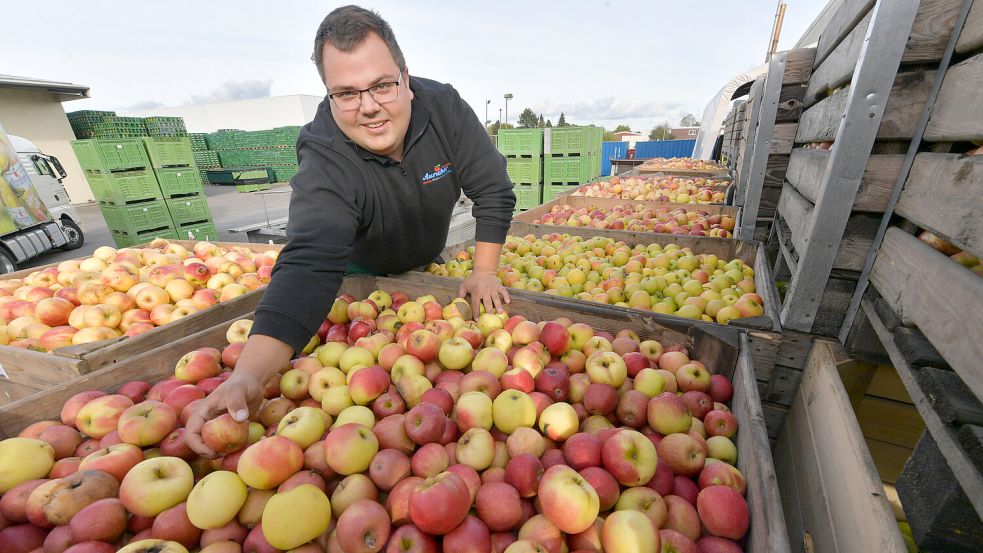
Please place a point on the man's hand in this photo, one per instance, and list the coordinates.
(240, 395)
(485, 288)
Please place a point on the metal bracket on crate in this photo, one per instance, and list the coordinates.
(916, 140)
(754, 181)
(870, 87)
(752, 128)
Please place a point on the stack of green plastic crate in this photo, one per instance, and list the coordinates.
(82, 122)
(270, 148)
(125, 185)
(165, 126)
(173, 162)
(114, 128)
(572, 157)
(523, 151)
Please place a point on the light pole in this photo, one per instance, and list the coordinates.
(486, 112)
(499, 118)
(508, 96)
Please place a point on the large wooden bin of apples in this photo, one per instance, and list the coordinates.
(131, 301)
(537, 458)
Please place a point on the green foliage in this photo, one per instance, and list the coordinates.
(528, 119)
(661, 132)
(689, 120)
(622, 128)
(562, 122)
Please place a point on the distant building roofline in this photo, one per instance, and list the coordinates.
(62, 90)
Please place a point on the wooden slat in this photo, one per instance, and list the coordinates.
(925, 289)
(821, 122)
(890, 421)
(889, 459)
(798, 66)
(790, 102)
(843, 21)
(850, 513)
(783, 138)
(971, 38)
(806, 169)
(838, 68)
(956, 115)
(944, 193)
(857, 237)
(34, 369)
(887, 384)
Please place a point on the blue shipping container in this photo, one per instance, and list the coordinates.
(609, 151)
(664, 148)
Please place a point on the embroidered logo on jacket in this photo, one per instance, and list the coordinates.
(440, 171)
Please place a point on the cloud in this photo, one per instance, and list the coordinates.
(146, 104)
(235, 90)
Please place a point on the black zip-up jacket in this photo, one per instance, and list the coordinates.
(350, 206)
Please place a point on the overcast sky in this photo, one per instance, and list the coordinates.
(603, 62)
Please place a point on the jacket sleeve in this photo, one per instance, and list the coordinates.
(323, 224)
(482, 174)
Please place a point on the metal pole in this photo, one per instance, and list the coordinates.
(755, 98)
(870, 87)
(486, 112)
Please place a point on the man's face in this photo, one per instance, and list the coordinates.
(379, 128)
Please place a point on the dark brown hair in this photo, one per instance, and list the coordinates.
(346, 27)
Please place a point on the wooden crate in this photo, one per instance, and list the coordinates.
(26, 371)
(764, 334)
(607, 204)
(832, 496)
(767, 531)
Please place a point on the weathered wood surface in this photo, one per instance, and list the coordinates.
(846, 17)
(790, 102)
(944, 193)
(806, 170)
(798, 66)
(925, 289)
(971, 38)
(905, 103)
(783, 138)
(854, 244)
(27, 369)
(956, 115)
(838, 499)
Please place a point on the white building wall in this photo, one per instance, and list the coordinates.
(248, 115)
(40, 117)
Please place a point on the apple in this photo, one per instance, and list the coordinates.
(388, 467)
(238, 331)
(424, 423)
(269, 462)
(225, 435)
(632, 408)
(498, 505)
(439, 503)
(364, 527)
(100, 416)
(216, 500)
(538, 529)
(644, 500)
(693, 377)
(630, 457)
(513, 409)
(720, 447)
(567, 500)
(682, 517)
(523, 472)
(116, 460)
(23, 459)
(677, 542)
(683, 453)
(22, 538)
(367, 383)
(391, 433)
(273, 411)
(295, 517)
(410, 539)
(64, 439)
(607, 367)
(173, 525)
(600, 399)
(53, 311)
(55, 502)
(720, 423)
(723, 511)
(146, 423)
(629, 532)
(525, 440)
(476, 449)
(198, 365)
(721, 389)
(582, 450)
(350, 448)
(722, 474)
(13, 504)
(559, 421)
(473, 410)
(667, 414)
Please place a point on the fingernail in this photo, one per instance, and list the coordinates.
(241, 415)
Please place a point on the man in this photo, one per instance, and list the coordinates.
(381, 167)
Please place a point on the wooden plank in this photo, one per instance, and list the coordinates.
(843, 21)
(791, 502)
(35, 369)
(857, 237)
(956, 115)
(783, 138)
(888, 458)
(806, 169)
(782, 386)
(949, 397)
(775, 170)
(856, 377)
(798, 66)
(859, 516)
(890, 421)
(837, 69)
(821, 122)
(906, 273)
(790, 102)
(887, 384)
(971, 37)
(12, 391)
(754, 457)
(943, 194)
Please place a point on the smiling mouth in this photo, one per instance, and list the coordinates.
(375, 125)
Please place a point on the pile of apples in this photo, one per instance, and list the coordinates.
(640, 218)
(665, 279)
(945, 247)
(680, 190)
(687, 163)
(124, 292)
(411, 428)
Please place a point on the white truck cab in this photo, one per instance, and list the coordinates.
(65, 230)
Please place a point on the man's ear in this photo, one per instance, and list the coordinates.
(407, 71)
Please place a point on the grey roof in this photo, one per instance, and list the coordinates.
(64, 91)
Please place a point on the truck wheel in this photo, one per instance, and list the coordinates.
(73, 234)
(7, 263)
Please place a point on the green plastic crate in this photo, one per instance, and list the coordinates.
(527, 195)
(111, 155)
(199, 141)
(197, 231)
(126, 239)
(285, 173)
(570, 170)
(526, 142)
(135, 218)
(553, 191)
(179, 181)
(206, 159)
(245, 188)
(123, 187)
(525, 170)
(169, 152)
(573, 140)
(189, 209)
(242, 175)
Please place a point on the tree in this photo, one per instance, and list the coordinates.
(542, 123)
(661, 132)
(496, 126)
(528, 119)
(622, 128)
(689, 120)
(562, 122)
(549, 123)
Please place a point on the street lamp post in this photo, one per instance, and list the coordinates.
(486, 112)
(508, 96)
(499, 118)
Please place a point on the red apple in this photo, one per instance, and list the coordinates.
(440, 503)
(499, 506)
(723, 511)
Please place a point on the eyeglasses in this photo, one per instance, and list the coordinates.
(382, 93)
